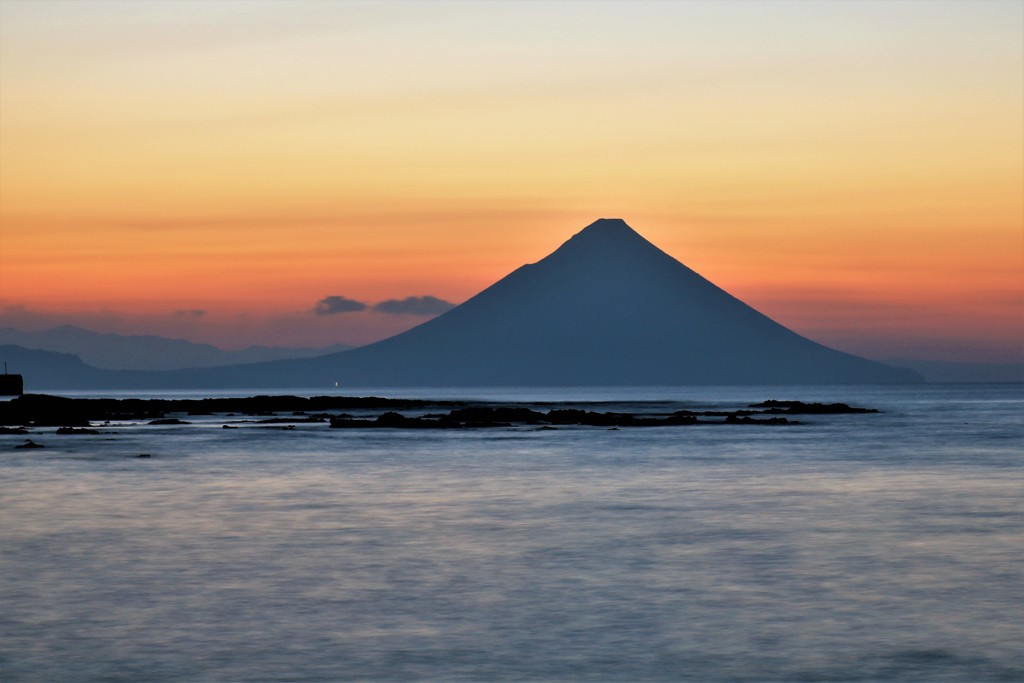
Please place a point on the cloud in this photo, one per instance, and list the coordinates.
(414, 305)
(330, 305)
(190, 313)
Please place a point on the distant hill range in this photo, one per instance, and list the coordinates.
(952, 372)
(147, 352)
(606, 308)
(52, 371)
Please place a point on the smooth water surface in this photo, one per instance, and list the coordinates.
(851, 548)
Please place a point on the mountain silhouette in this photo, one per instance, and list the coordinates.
(605, 308)
(147, 352)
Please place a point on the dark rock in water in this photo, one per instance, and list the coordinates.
(13, 430)
(57, 411)
(681, 417)
(59, 421)
(746, 420)
(393, 419)
(40, 410)
(289, 420)
(801, 408)
(31, 444)
(490, 415)
(572, 416)
(44, 411)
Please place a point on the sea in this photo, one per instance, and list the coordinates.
(881, 547)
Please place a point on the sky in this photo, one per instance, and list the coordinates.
(291, 173)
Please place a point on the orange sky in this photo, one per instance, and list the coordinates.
(853, 169)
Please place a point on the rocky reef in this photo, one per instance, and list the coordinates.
(78, 415)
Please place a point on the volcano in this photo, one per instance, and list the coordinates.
(606, 308)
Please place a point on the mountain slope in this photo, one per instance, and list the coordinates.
(606, 308)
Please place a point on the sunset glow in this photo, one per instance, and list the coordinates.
(853, 169)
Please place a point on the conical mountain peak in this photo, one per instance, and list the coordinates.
(607, 228)
(607, 225)
(606, 308)
(605, 240)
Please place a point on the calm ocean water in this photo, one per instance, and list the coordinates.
(852, 548)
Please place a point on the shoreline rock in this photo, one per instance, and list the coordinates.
(76, 415)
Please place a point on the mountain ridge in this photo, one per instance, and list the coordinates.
(112, 351)
(607, 307)
(50, 371)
